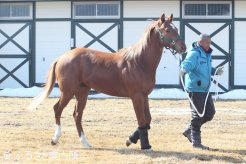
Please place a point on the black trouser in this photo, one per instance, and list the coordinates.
(198, 99)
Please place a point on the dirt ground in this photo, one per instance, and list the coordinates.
(25, 136)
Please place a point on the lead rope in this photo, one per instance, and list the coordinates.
(217, 86)
(187, 94)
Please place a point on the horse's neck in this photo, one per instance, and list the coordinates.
(152, 53)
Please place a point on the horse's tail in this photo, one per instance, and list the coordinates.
(49, 85)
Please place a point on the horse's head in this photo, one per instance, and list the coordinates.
(169, 35)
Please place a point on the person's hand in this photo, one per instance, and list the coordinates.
(220, 70)
(182, 72)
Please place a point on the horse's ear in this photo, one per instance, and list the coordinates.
(162, 18)
(171, 18)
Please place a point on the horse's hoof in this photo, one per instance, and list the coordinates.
(148, 150)
(87, 146)
(128, 142)
(85, 143)
(53, 143)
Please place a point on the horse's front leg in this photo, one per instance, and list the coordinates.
(134, 137)
(141, 132)
(146, 111)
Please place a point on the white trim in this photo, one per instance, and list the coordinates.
(96, 17)
(20, 17)
(240, 11)
(151, 9)
(53, 9)
(207, 16)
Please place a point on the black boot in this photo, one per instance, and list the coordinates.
(196, 140)
(187, 132)
(134, 137)
(144, 140)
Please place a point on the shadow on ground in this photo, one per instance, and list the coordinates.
(186, 156)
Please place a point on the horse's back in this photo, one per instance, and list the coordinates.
(91, 68)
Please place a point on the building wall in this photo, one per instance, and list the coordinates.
(53, 9)
(239, 43)
(54, 31)
(136, 9)
(134, 29)
(52, 40)
(14, 54)
(52, 37)
(48, 48)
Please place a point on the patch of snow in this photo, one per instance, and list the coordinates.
(239, 94)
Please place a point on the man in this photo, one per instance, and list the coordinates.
(198, 71)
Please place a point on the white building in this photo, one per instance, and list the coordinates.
(35, 32)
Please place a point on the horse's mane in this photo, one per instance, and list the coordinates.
(137, 48)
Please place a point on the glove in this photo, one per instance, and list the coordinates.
(181, 72)
(220, 70)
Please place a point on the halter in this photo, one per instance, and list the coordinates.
(169, 40)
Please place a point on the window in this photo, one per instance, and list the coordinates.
(96, 10)
(207, 9)
(15, 11)
(195, 9)
(219, 9)
(85, 10)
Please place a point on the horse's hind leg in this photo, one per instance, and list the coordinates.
(58, 108)
(81, 99)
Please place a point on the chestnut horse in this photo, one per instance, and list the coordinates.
(130, 72)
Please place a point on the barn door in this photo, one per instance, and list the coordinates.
(220, 33)
(15, 53)
(97, 35)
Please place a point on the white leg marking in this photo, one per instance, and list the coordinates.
(57, 134)
(84, 141)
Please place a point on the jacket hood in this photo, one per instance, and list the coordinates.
(196, 47)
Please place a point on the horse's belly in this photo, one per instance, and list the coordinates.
(111, 85)
(110, 89)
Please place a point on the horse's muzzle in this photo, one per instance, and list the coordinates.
(181, 48)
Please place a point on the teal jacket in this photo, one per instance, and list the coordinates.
(198, 68)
